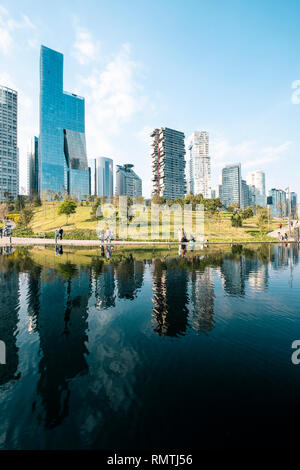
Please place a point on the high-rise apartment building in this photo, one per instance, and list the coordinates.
(168, 163)
(232, 185)
(33, 166)
(246, 195)
(294, 204)
(102, 177)
(128, 183)
(9, 153)
(63, 165)
(199, 171)
(257, 182)
(279, 206)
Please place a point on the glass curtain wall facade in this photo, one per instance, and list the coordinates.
(63, 165)
(32, 166)
(9, 154)
(105, 177)
(232, 185)
(257, 181)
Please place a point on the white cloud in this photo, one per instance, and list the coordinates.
(250, 154)
(8, 26)
(85, 49)
(113, 98)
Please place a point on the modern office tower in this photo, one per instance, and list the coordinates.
(246, 195)
(279, 204)
(63, 165)
(102, 178)
(33, 166)
(199, 176)
(9, 153)
(219, 191)
(294, 204)
(232, 185)
(213, 194)
(168, 163)
(128, 183)
(257, 181)
(93, 182)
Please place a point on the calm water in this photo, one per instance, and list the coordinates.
(149, 353)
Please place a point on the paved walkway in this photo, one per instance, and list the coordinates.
(283, 230)
(50, 241)
(18, 241)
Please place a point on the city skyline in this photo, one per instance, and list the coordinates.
(124, 103)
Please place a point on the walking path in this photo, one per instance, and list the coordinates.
(18, 241)
(284, 230)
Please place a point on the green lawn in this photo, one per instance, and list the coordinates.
(215, 229)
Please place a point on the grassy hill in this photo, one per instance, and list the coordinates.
(80, 225)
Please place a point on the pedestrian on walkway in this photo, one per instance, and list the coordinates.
(1, 232)
(60, 233)
(56, 235)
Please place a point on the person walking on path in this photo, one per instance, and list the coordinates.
(60, 233)
(56, 235)
(108, 235)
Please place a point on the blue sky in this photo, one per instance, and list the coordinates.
(225, 66)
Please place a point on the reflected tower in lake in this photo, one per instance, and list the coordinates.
(62, 326)
(202, 300)
(9, 317)
(170, 299)
(105, 287)
(130, 275)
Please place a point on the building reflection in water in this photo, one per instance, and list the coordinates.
(170, 299)
(9, 317)
(202, 300)
(105, 287)
(130, 276)
(62, 327)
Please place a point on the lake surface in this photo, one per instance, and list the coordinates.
(153, 353)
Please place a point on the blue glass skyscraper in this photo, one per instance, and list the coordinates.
(63, 165)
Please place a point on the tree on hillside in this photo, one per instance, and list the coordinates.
(36, 201)
(67, 207)
(3, 211)
(247, 213)
(262, 219)
(26, 216)
(236, 220)
(234, 207)
(156, 199)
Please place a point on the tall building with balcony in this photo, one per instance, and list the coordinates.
(9, 153)
(199, 168)
(232, 185)
(257, 182)
(63, 165)
(33, 166)
(102, 177)
(168, 163)
(128, 183)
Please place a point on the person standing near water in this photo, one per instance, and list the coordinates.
(60, 233)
